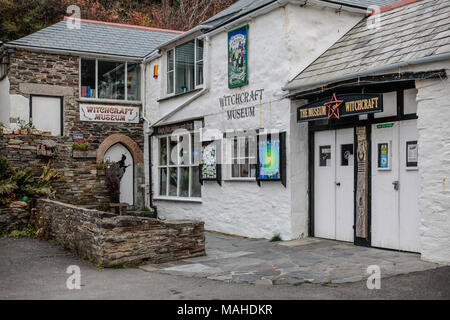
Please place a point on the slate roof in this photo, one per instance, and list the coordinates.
(242, 7)
(98, 38)
(420, 29)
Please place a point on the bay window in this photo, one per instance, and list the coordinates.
(179, 166)
(105, 79)
(185, 67)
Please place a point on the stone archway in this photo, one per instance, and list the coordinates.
(137, 153)
(138, 160)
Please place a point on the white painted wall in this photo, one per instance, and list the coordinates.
(281, 44)
(5, 103)
(434, 166)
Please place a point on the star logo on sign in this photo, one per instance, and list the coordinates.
(333, 107)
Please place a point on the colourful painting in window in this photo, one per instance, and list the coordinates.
(269, 159)
(209, 162)
(237, 57)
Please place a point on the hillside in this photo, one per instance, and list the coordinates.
(19, 18)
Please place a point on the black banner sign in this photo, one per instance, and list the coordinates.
(343, 105)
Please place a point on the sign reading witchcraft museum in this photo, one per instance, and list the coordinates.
(236, 99)
(343, 105)
(104, 113)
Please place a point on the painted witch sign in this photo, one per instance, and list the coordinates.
(237, 57)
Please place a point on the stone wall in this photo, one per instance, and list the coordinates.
(110, 240)
(14, 218)
(80, 183)
(434, 168)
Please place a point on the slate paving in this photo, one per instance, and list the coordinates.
(310, 260)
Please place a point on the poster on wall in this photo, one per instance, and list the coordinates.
(238, 57)
(383, 156)
(412, 155)
(271, 159)
(209, 168)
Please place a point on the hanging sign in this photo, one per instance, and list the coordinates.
(342, 105)
(105, 113)
(237, 57)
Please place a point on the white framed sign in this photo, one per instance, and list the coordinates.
(109, 113)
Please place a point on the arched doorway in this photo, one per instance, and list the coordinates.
(116, 153)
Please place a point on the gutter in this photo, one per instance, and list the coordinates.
(188, 33)
(404, 64)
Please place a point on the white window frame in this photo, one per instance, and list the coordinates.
(167, 166)
(199, 86)
(230, 141)
(96, 79)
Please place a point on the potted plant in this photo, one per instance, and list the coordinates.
(83, 150)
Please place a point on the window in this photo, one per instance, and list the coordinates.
(243, 157)
(105, 79)
(185, 67)
(179, 166)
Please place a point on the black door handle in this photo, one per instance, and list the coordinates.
(338, 184)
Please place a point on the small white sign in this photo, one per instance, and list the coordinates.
(105, 113)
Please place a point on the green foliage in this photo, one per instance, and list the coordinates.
(145, 209)
(15, 184)
(82, 146)
(27, 232)
(276, 238)
(103, 165)
(23, 125)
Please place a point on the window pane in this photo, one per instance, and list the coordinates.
(184, 149)
(173, 182)
(199, 73)
(199, 49)
(184, 182)
(184, 67)
(170, 82)
(195, 144)
(163, 181)
(134, 81)
(87, 78)
(244, 170)
(253, 170)
(111, 80)
(196, 186)
(170, 61)
(163, 151)
(173, 152)
(252, 149)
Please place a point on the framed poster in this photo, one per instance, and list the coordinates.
(383, 156)
(412, 155)
(209, 166)
(325, 156)
(271, 158)
(238, 57)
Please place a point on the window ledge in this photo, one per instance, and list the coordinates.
(240, 180)
(179, 199)
(109, 101)
(179, 94)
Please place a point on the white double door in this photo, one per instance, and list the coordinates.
(395, 186)
(334, 184)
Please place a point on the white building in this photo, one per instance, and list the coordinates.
(366, 173)
(284, 37)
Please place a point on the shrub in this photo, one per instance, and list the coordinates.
(82, 146)
(276, 238)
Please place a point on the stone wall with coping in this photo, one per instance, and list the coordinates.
(109, 240)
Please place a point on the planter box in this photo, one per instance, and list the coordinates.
(89, 154)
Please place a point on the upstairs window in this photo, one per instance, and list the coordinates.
(185, 67)
(104, 79)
